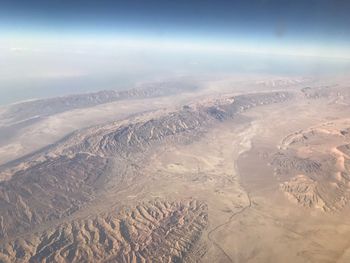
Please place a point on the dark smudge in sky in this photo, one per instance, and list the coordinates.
(320, 20)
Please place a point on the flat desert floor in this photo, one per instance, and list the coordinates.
(256, 177)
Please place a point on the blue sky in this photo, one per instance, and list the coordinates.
(309, 24)
(55, 47)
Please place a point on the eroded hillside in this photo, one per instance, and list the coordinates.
(316, 159)
(55, 192)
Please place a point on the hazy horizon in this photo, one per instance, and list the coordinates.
(229, 143)
(62, 47)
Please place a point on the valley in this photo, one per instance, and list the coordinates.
(212, 179)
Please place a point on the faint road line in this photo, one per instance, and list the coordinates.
(211, 232)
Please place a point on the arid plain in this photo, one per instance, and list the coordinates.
(228, 170)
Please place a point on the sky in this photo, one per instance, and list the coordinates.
(260, 24)
(97, 43)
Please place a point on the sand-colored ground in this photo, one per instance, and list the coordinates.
(269, 184)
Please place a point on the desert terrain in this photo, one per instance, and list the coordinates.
(218, 171)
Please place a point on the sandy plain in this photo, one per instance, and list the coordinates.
(231, 168)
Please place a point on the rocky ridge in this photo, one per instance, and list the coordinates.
(53, 184)
(27, 110)
(153, 232)
(320, 178)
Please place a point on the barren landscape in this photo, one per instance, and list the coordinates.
(221, 171)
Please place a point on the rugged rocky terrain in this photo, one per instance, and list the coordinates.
(54, 191)
(152, 232)
(334, 93)
(315, 164)
(33, 109)
(205, 180)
